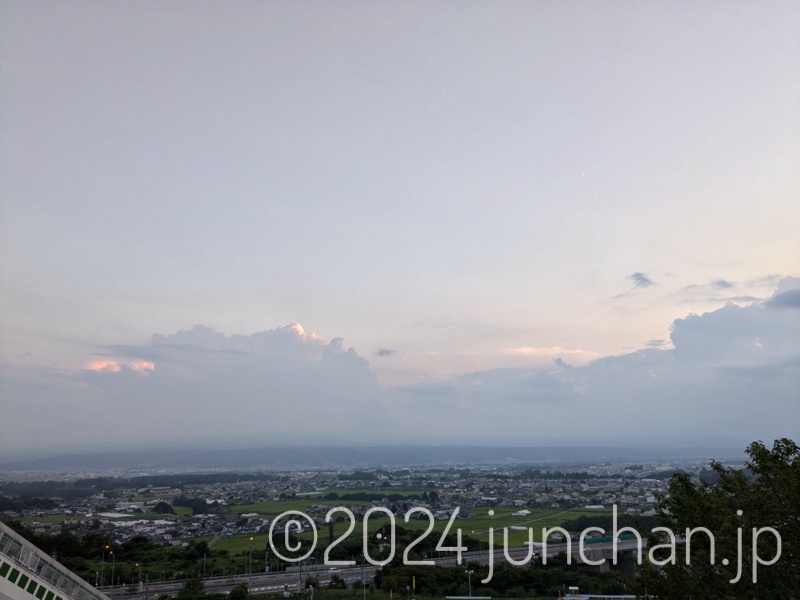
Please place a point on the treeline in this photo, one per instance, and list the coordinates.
(538, 474)
(667, 474)
(82, 488)
(378, 496)
(85, 555)
(507, 581)
(583, 475)
(198, 505)
(358, 476)
(66, 490)
(642, 524)
(23, 503)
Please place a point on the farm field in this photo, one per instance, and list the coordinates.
(476, 525)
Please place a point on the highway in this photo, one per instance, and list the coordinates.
(294, 576)
(257, 582)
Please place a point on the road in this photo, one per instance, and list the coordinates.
(294, 576)
(257, 582)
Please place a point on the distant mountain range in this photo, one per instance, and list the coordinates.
(287, 457)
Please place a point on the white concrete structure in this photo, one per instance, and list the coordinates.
(28, 573)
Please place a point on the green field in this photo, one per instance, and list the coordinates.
(477, 525)
(53, 519)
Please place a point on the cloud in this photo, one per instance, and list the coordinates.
(110, 365)
(768, 281)
(202, 386)
(722, 290)
(576, 354)
(289, 340)
(640, 280)
(731, 376)
(384, 352)
(787, 295)
(790, 299)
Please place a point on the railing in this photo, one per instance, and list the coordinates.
(62, 582)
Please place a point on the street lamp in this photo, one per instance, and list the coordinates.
(250, 563)
(103, 565)
(113, 565)
(138, 566)
(480, 545)
(469, 573)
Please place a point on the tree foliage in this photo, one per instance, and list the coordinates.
(736, 506)
(163, 508)
(239, 592)
(530, 582)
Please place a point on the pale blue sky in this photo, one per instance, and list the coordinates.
(468, 185)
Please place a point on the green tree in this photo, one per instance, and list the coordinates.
(739, 503)
(163, 508)
(239, 592)
(192, 589)
(337, 583)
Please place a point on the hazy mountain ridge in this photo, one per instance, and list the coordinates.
(364, 456)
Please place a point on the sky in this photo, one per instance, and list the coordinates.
(529, 223)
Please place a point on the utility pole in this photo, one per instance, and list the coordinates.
(363, 581)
